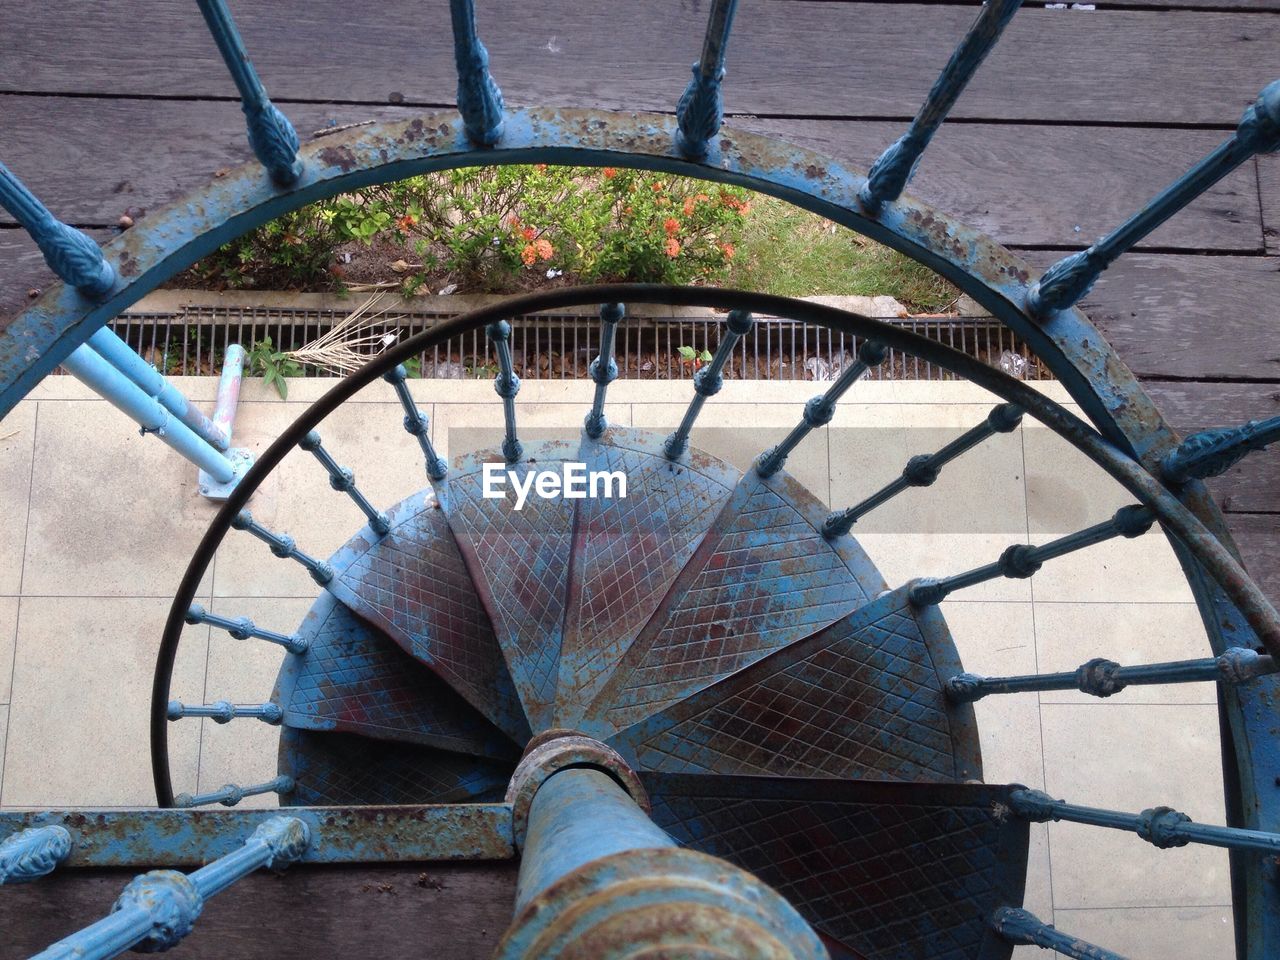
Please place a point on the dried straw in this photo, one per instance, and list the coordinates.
(351, 342)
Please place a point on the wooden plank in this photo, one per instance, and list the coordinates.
(1258, 537)
(445, 911)
(1269, 187)
(22, 269)
(1253, 485)
(805, 58)
(1043, 186)
(1246, 5)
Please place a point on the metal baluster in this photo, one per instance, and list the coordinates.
(506, 384)
(415, 422)
(1019, 927)
(479, 99)
(923, 470)
(1022, 560)
(223, 711)
(819, 410)
(700, 111)
(1064, 283)
(344, 481)
(708, 381)
(1159, 826)
(70, 253)
(242, 628)
(284, 546)
(271, 135)
(231, 794)
(1212, 453)
(889, 174)
(87, 366)
(33, 853)
(603, 369)
(125, 359)
(1102, 678)
(158, 909)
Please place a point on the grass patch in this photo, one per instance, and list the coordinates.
(790, 252)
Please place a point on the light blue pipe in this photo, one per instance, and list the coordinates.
(99, 375)
(125, 359)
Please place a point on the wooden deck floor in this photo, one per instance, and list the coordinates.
(1077, 118)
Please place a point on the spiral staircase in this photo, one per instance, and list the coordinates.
(696, 715)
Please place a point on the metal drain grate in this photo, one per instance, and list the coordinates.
(191, 340)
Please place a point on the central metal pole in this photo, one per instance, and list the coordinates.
(599, 879)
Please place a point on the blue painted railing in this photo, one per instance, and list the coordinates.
(157, 910)
(700, 111)
(242, 628)
(479, 99)
(1103, 678)
(32, 853)
(1023, 560)
(344, 481)
(1021, 928)
(604, 369)
(415, 423)
(506, 384)
(284, 546)
(708, 381)
(231, 794)
(1160, 826)
(923, 470)
(224, 711)
(819, 410)
(1212, 453)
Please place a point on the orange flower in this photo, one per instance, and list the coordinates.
(540, 167)
(744, 207)
(610, 173)
(688, 206)
(513, 221)
(671, 225)
(628, 209)
(544, 249)
(672, 247)
(529, 254)
(729, 250)
(658, 186)
(407, 221)
(701, 198)
(528, 233)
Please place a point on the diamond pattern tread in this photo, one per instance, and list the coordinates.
(862, 698)
(520, 561)
(763, 577)
(343, 769)
(628, 551)
(889, 871)
(413, 585)
(354, 679)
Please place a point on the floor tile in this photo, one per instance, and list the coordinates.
(1065, 489)
(82, 692)
(1070, 634)
(1128, 758)
(17, 446)
(1165, 933)
(905, 556)
(1119, 570)
(463, 428)
(8, 637)
(244, 671)
(4, 739)
(114, 514)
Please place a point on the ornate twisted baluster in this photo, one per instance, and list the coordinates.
(271, 135)
(604, 369)
(231, 794)
(1017, 926)
(415, 423)
(1022, 560)
(32, 853)
(242, 628)
(700, 111)
(819, 410)
(1212, 453)
(344, 481)
(1102, 678)
(158, 909)
(923, 470)
(283, 546)
(1160, 826)
(479, 99)
(889, 174)
(708, 381)
(224, 711)
(506, 384)
(71, 254)
(1064, 283)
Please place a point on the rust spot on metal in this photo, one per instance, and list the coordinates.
(341, 157)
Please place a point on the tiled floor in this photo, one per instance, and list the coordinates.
(99, 525)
